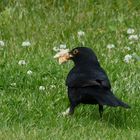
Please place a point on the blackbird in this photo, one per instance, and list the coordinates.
(88, 83)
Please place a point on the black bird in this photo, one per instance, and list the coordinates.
(88, 83)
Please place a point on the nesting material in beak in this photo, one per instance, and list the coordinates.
(63, 56)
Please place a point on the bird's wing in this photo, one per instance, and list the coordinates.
(88, 78)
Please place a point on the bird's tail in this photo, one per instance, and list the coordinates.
(110, 100)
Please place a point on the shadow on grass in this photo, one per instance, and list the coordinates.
(112, 117)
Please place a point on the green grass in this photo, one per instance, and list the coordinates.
(27, 113)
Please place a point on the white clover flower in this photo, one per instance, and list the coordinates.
(2, 43)
(80, 33)
(26, 44)
(29, 72)
(22, 62)
(13, 84)
(127, 58)
(62, 46)
(127, 48)
(41, 88)
(133, 37)
(130, 31)
(110, 46)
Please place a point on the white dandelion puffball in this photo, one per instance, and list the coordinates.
(29, 72)
(2, 43)
(80, 33)
(130, 31)
(127, 58)
(133, 37)
(26, 44)
(41, 88)
(22, 62)
(62, 46)
(110, 46)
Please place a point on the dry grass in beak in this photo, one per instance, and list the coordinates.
(63, 56)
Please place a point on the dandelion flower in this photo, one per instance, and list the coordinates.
(110, 46)
(80, 33)
(22, 62)
(41, 88)
(133, 37)
(2, 43)
(26, 44)
(127, 58)
(130, 31)
(29, 72)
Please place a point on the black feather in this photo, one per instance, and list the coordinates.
(88, 83)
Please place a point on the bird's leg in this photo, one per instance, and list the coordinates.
(71, 109)
(101, 110)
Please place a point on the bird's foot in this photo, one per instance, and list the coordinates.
(66, 113)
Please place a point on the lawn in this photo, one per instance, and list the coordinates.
(33, 94)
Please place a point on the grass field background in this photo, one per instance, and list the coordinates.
(27, 113)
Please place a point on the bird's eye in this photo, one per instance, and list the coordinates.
(75, 51)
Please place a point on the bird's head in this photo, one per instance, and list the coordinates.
(79, 55)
